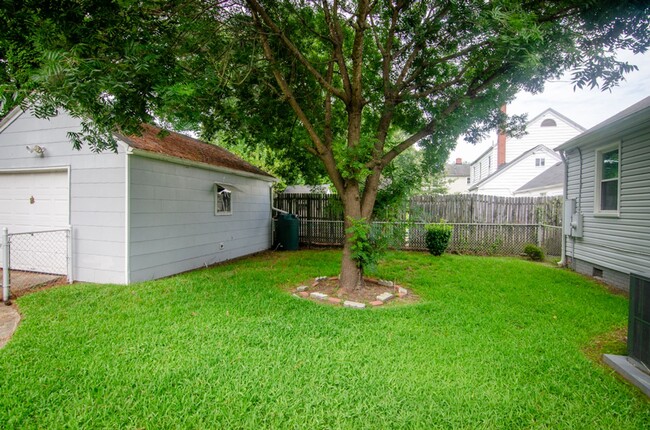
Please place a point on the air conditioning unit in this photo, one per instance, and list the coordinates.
(638, 337)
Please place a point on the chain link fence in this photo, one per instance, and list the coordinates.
(467, 238)
(33, 259)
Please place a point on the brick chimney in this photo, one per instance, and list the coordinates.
(459, 161)
(501, 144)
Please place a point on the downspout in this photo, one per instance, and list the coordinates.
(565, 193)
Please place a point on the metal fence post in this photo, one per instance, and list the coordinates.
(540, 234)
(69, 255)
(5, 265)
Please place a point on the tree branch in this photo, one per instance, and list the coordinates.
(261, 13)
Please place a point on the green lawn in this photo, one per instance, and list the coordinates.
(494, 343)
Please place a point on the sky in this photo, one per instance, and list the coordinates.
(586, 107)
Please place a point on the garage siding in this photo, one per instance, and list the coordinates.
(96, 191)
(173, 224)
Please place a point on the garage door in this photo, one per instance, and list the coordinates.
(32, 201)
(35, 201)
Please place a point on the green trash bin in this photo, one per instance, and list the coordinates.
(286, 229)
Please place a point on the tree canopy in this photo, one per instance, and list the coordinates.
(348, 84)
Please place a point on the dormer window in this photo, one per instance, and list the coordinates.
(548, 122)
(540, 162)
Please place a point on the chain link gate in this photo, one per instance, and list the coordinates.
(32, 259)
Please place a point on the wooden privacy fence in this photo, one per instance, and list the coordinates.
(482, 239)
(454, 208)
(486, 225)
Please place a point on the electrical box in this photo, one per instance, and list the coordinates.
(572, 221)
(576, 224)
(569, 210)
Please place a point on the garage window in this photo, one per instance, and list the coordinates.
(222, 200)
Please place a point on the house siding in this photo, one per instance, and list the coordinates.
(614, 244)
(538, 135)
(506, 183)
(96, 190)
(484, 166)
(173, 227)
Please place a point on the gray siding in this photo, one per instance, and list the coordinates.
(620, 244)
(173, 227)
(97, 191)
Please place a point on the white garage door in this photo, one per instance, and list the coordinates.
(31, 201)
(36, 201)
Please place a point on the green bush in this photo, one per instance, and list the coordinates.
(534, 252)
(437, 237)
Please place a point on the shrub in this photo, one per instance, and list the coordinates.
(437, 237)
(534, 252)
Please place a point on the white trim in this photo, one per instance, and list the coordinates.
(597, 180)
(127, 220)
(10, 118)
(184, 162)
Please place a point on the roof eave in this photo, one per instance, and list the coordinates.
(200, 165)
(608, 130)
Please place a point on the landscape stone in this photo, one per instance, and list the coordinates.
(384, 297)
(377, 303)
(334, 300)
(355, 305)
(303, 294)
(319, 296)
(402, 291)
(321, 278)
(385, 283)
(302, 288)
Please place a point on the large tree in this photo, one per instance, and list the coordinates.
(350, 84)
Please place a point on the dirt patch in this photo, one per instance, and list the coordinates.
(369, 294)
(613, 342)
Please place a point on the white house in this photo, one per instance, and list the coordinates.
(607, 208)
(548, 183)
(155, 207)
(457, 177)
(513, 162)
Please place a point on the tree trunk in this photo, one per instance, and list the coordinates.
(351, 274)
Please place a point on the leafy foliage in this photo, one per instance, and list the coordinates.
(534, 252)
(437, 237)
(366, 250)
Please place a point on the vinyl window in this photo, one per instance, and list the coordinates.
(608, 174)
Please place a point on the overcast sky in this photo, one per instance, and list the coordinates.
(586, 107)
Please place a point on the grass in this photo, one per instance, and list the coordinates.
(493, 343)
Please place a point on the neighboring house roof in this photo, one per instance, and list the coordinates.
(181, 146)
(507, 166)
(559, 115)
(637, 113)
(551, 177)
(307, 189)
(457, 170)
(486, 152)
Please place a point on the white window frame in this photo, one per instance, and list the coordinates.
(217, 194)
(598, 159)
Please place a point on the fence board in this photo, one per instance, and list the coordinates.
(488, 225)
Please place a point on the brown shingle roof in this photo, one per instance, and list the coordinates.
(187, 148)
